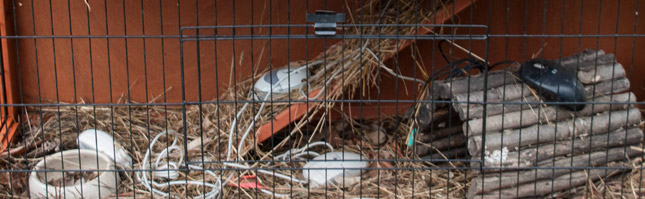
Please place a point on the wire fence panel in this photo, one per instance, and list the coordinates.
(321, 99)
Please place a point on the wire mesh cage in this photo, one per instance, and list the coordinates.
(321, 99)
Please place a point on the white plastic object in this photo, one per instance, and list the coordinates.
(105, 183)
(104, 143)
(328, 167)
(168, 170)
(280, 81)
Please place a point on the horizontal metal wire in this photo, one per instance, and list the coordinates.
(297, 101)
(314, 169)
(338, 36)
(313, 36)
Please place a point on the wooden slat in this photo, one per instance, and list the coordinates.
(9, 91)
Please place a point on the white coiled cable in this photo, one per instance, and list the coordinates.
(168, 170)
(165, 169)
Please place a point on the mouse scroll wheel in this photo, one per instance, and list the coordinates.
(538, 65)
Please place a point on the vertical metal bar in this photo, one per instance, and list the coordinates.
(433, 72)
(217, 102)
(613, 73)
(163, 83)
(127, 69)
(631, 77)
(524, 55)
(594, 86)
(289, 127)
(504, 86)
(253, 75)
(543, 43)
(622, 187)
(308, 76)
(199, 105)
(396, 86)
(453, 33)
(271, 95)
(109, 65)
(560, 58)
(89, 32)
(75, 101)
(19, 69)
(342, 63)
(577, 70)
(40, 100)
(482, 166)
(145, 76)
(183, 88)
(362, 91)
(58, 112)
(235, 100)
(378, 91)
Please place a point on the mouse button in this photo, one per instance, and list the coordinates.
(539, 66)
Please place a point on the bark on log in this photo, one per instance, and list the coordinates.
(443, 89)
(587, 60)
(586, 54)
(452, 153)
(450, 142)
(476, 110)
(580, 127)
(602, 73)
(497, 94)
(590, 64)
(527, 157)
(494, 181)
(439, 133)
(528, 117)
(607, 87)
(427, 117)
(559, 183)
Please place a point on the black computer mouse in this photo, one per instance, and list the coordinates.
(553, 82)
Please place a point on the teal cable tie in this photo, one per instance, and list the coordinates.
(411, 139)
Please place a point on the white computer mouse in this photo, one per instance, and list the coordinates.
(334, 167)
(280, 82)
(105, 144)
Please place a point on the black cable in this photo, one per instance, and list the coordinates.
(453, 70)
(441, 51)
(503, 62)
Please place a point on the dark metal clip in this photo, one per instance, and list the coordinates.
(325, 21)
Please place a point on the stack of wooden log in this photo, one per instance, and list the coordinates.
(522, 134)
(441, 135)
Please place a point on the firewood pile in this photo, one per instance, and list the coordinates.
(523, 134)
(441, 135)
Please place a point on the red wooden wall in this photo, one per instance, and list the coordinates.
(50, 71)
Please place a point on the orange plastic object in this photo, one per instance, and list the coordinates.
(248, 182)
(8, 132)
(9, 114)
(296, 111)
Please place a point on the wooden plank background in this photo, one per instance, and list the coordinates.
(50, 72)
